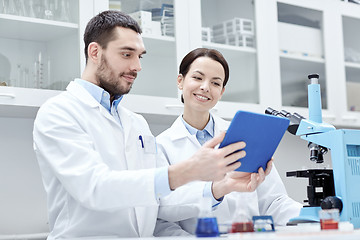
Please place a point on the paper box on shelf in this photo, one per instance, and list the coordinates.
(236, 40)
(300, 40)
(115, 5)
(233, 26)
(154, 28)
(206, 34)
(143, 18)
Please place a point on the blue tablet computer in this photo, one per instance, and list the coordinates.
(262, 134)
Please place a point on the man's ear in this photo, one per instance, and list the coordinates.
(180, 80)
(94, 52)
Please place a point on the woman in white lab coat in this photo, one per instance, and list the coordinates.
(202, 78)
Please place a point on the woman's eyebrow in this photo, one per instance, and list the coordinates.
(202, 74)
(218, 78)
(197, 71)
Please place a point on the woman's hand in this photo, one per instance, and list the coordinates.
(240, 181)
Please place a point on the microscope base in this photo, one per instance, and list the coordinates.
(307, 215)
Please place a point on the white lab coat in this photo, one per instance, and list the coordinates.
(98, 178)
(270, 198)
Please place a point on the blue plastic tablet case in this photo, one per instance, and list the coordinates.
(262, 134)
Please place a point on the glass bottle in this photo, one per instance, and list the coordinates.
(49, 9)
(9, 7)
(242, 220)
(64, 11)
(207, 224)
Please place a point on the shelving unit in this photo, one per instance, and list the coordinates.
(259, 75)
(351, 38)
(33, 55)
(302, 58)
(34, 29)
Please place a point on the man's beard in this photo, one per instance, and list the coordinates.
(111, 83)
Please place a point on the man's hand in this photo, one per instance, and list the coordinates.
(240, 181)
(208, 163)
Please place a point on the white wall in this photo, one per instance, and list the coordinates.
(22, 198)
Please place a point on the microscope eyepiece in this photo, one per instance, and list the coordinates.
(295, 118)
(314, 75)
(271, 111)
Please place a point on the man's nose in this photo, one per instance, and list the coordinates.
(136, 65)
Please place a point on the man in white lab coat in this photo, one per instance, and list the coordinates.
(98, 160)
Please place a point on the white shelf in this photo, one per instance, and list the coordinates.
(352, 65)
(15, 101)
(228, 47)
(302, 58)
(34, 29)
(352, 72)
(156, 37)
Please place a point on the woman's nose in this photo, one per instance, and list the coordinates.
(204, 86)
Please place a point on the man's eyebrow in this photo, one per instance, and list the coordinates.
(131, 49)
(127, 48)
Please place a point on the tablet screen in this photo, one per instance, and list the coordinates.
(262, 134)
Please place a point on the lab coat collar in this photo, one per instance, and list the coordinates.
(179, 131)
(82, 94)
(86, 98)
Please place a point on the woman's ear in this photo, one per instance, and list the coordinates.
(180, 80)
(222, 92)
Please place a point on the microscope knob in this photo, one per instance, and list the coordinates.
(332, 202)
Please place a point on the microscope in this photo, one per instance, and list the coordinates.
(336, 188)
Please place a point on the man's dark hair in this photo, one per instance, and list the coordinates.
(100, 28)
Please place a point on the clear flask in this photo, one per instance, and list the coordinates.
(9, 7)
(207, 224)
(63, 10)
(49, 9)
(242, 221)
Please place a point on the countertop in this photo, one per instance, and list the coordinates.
(306, 232)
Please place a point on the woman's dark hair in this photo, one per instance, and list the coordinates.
(100, 28)
(203, 52)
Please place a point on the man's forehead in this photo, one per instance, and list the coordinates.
(128, 39)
